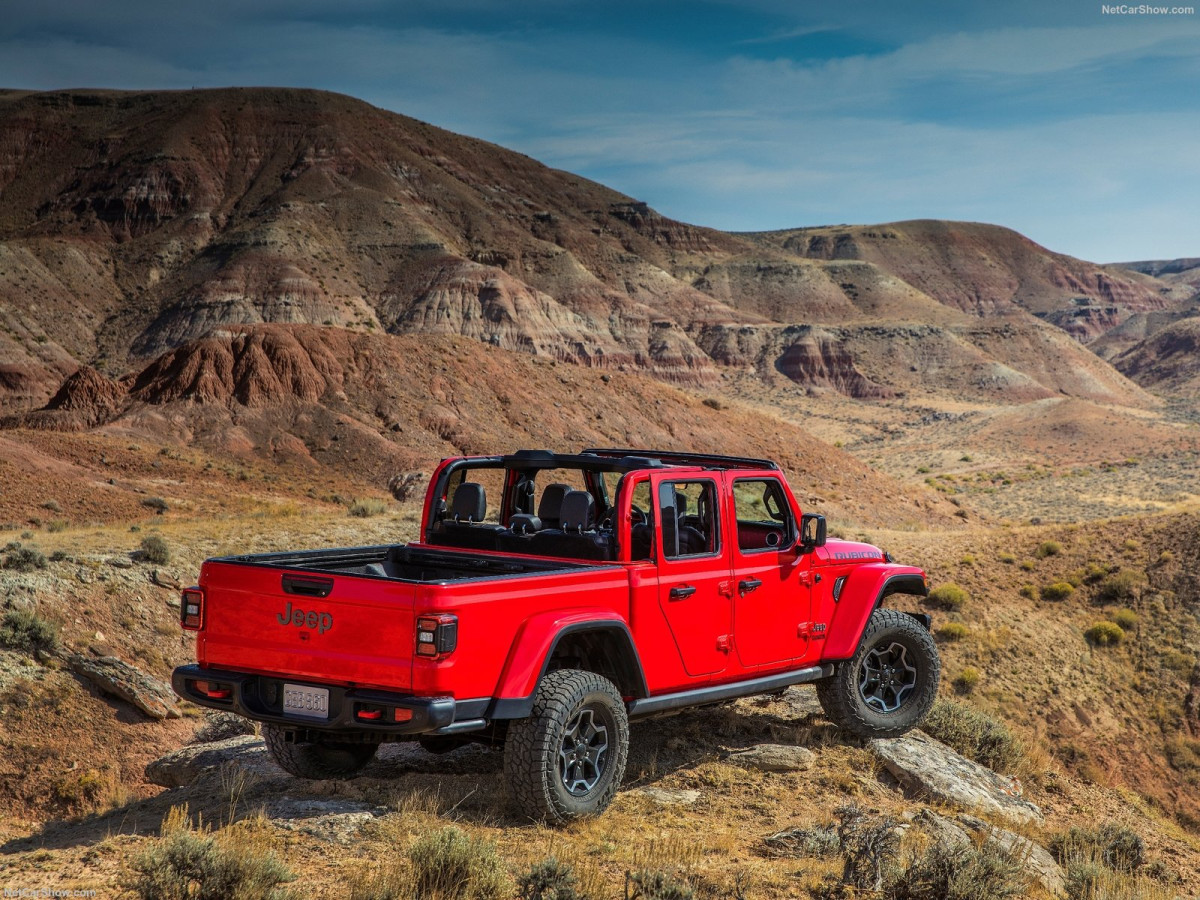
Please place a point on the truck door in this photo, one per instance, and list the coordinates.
(772, 590)
(693, 570)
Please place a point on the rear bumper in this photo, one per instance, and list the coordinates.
(260, 697)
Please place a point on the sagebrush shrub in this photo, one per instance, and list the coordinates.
(974, 734)
(948, 596)
(23, 629)
(1104, 634)
(450, 865)
(156, 549)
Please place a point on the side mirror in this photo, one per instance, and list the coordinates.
(812, 533)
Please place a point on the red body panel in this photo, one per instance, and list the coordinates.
(369, 641)
(752, 612)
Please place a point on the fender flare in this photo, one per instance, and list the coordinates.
(853, 620)
(538, 639)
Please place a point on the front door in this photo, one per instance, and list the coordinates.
(693, 571)
(771, 591)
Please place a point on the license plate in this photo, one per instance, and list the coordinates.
(310, 702)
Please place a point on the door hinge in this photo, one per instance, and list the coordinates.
(805, 578)
(725, 642)
(725, 588)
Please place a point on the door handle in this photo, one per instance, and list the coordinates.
(747, 585)
(684, 590)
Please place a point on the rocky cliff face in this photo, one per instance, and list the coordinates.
(134, 223)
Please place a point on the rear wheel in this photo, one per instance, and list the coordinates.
(889, 685)
(316, 759)
(566, 760)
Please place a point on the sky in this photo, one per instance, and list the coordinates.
(1074, 126)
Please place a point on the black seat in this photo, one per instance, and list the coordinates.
(469, 504)
(550, 506)
(577, 538)
(463, 526)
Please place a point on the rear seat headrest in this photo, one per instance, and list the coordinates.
(523, 523)
(470, 503)
(578, 511)
(550, 506)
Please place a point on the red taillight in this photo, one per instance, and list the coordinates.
(191, 609)
(436, 635)
(214, 691)
(403, 715)
(370, 713)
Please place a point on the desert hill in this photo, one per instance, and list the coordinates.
(327, 403)
(132, 223)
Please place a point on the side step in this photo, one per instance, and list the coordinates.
(718, 693)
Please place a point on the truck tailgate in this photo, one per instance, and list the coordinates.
(314, 626)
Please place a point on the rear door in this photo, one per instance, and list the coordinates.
(693, 570)
(771, 600)
(307, 625)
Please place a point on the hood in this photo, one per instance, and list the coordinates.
(835, 552)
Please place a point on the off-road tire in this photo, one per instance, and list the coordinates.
(316, 760)
(536, 747)
(847, 696)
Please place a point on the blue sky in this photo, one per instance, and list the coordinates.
(1077, 128)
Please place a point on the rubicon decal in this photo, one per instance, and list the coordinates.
(857, 554)
(294, 615)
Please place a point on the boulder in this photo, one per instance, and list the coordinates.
(337, 821)
(113, 676)
(774, 758)
(929, 768)
(969, 830)
(1037, 859)
(189, 764)
(671, 796)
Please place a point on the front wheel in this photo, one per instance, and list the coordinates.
(566, 760)
(316, 760)
(889, 685)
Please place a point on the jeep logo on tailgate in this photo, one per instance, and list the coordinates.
(321, 621)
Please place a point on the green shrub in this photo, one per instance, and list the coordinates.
(1028, 565)
(948, 596)
(960, 873)
(974, 734)
(158, 504)
(1007, 558)
(1126, 619)
(156, 549)
(450, 865)
(1028, 590)
(656, 885)
(548, 880)
(1121, 587)
(1048, 548)
(967, 560)
(364, 509)
(1058, 590)
(1117, 847)
(952, 632)
(1093, 572)
(967, 679)
(24, 559)
(52, 505)
(186, 865)
(56, 526)
(25, 630)
(1102, 634)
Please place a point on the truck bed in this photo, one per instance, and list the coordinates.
(402, 562)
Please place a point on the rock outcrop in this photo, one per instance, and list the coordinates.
(116, 677)
(929, 768)
(191, 763)
(774, 758)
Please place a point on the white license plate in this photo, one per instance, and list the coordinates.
(310, 702)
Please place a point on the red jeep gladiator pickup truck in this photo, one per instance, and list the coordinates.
(550, 600)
